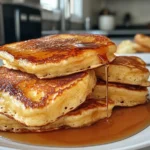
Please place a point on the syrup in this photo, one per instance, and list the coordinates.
(123, 123)
(106, 76)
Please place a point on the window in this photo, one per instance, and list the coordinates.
(74, 10)
(49, 4)
(76, 7)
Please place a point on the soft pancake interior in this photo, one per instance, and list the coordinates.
(36, 102)
(58, 55)
(86, 114)
(121, 94)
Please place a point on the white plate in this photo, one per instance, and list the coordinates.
(138, 141)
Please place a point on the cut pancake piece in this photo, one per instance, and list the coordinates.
(121, 94)
(58, 55)
(36, 102)
(86, 114)
(126, 69)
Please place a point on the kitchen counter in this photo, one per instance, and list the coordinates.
(117, 32)
(116, 40)
(114, 33)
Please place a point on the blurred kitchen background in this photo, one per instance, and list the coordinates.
(117, 19)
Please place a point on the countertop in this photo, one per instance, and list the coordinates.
(113, 33)
(120, 32)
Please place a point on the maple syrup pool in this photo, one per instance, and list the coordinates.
(123, 123)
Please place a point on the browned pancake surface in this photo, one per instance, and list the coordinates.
(53, 49)
(18, 84)
(86, 114)
(126, 70)
(131, 61)
(90, 104)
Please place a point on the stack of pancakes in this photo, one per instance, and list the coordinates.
(127, 81)
(47, 83)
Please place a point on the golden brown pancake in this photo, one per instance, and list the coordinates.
(142, 40)
(58, 55)
(126, 47)
(127, 70)
(121, 94)
(140, 48)
(86, 114)
(36, 102)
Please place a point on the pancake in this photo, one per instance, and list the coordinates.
(58, 55)
(86, 114)
(36, 102)
(121, 94)
(142, 40)
(140, 48)
(127, 70)
(126, 47)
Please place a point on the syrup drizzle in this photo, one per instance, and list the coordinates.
(105, 61)
(106, 76)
